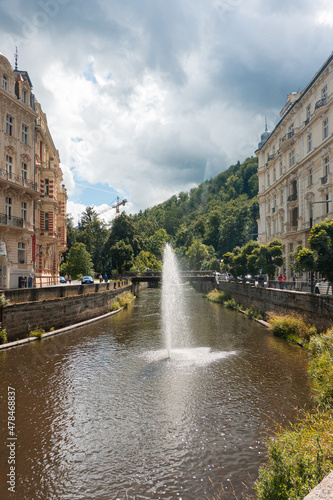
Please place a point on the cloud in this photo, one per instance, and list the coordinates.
(151, 98)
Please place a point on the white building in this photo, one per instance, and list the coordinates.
(294, 167)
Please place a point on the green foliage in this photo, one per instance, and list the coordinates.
(198, 254)
(122, 256)
(3, 300)
(254, 313)
(298, 459)
(115, 305)
(320, 255)
(92, 232)
(270, 257)
(321, 367)
(78, 262)
(37, 332)
(217, 296)
(146, 260)
(231, 304)
(3, 335)
(291, 327)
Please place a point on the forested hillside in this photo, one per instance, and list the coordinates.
(202, 225)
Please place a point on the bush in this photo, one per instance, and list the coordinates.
(320, 369)
(219, 297)
(115, 305)
(37, 332)
(231, 304)
(3, 301)
(254, 313)
(3, 335)
(298, 459)
(291, 328)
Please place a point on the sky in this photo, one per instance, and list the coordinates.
(148, 98)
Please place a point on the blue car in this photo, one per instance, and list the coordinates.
(63, 280)
(87, 279)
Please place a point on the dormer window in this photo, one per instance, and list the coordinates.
(24, 96)
(4, 82)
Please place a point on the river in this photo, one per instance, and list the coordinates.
(101, 413)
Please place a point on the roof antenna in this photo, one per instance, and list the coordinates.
(16, 57)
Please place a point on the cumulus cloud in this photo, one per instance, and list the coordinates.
(151, 98)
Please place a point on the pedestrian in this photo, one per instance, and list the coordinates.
(66, 277)
(70, 279)
(30, 281)
(261, 280)
(280, 278)
(100, 278)
(294, 281)
(105, 278)
(23, 282)
(284, 279)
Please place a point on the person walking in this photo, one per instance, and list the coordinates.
(70, 279)
(30, 281)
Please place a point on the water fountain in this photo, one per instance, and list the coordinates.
(173, 305)
(176, 323)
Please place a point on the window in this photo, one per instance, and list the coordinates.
(46, 221)
(309, 142)
(21, 252)
(291, 247)
(308, 111)
(274, 174)
(24, 210)
(9, 166)
(281, 169)
(291, 130)
(24, 134)
(326, 165)
(281, 197)
(4, 82)
(9, 207)
(324, 92)
(292, 158)
(24, 171)
(327, 205)
(325, 128)
(310, 176)
(47, 187)
(9, 125)
(24, 96)
(268, 179)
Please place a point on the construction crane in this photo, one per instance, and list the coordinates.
(114, 205)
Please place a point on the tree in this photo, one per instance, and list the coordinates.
(197, 254)
(122, 256)
(78, 262)
(270, 257)
(146, 260)
(319, 257)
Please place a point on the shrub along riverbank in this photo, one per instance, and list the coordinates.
(301, 456)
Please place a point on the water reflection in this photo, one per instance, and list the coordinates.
(102, 411)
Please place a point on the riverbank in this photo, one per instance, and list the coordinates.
(55, 308)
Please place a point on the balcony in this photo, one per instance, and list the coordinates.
(270, 157)
(10, 220)
(292, 197)
(324, 179)
(287, 136)
(307, 120)
(18, 179)
(321, 102)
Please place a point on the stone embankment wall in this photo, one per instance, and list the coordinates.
(319, 308)
(57, 307)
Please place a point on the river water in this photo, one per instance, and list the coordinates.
(101, 413)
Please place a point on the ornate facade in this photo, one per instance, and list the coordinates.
(295, 166)
(28, 158)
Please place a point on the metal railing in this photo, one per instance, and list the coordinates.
(18, 179)
(10, 220)
(321, 102)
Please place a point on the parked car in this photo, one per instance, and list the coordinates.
(87, 279)
(323, 287)
(63, 280)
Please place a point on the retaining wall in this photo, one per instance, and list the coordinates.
(48, 309)
(317, 307)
